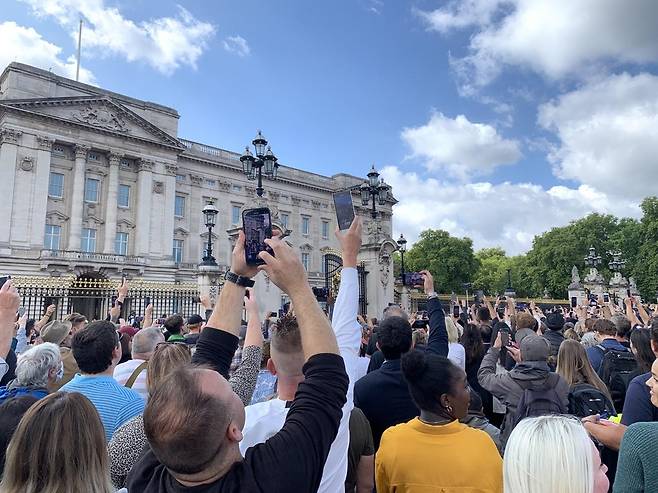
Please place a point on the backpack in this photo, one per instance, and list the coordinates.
(586, 400)
(539, 400)
(616, 370)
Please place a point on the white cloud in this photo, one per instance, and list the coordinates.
(556, 38)
(507, 215)
(462, 147)
(608, 134)
(25, 45)
(237, 45)
(165, 43)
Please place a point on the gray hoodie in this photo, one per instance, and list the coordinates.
(504, 386)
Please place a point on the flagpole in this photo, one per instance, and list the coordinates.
(77, 70)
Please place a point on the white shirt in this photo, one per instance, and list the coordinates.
(123, 371)
(457, 354)
(266, 418)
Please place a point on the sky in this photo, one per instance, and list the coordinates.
(492, 119)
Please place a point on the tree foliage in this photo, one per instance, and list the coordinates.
(451, 260)
(547, 265)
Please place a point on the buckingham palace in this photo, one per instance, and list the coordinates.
(96, 186)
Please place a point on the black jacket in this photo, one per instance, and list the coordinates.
(383, 395)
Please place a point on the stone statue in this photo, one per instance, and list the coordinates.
(575, 277)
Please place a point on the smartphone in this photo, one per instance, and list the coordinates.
(257, 227)
(574, 302)
(344, 209)
(3, 280)
(414, 279)
(147, 301)
(628, 292)
(504, 337)
(21, 311)
(455, 311)
(606, 298)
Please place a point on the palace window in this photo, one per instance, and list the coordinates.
(88, 240)
(91, 190)
(53, 235)
(178, 251)
(123, 198)
(121, 244)
(56, 185)
(179, 206)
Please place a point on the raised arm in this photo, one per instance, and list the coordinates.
(148, 316)
(9, 303)
(287, 272)
(243, 380)
(46, 317)
(345, 323)
(487, 376)
(437, 342)
(21, 335)
(219, 338)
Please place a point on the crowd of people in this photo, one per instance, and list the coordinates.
(492, 396)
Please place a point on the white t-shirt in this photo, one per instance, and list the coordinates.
(265, 419)
(123, 371)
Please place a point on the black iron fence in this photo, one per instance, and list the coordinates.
(94, 297)
(333, 264)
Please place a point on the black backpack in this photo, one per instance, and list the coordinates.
(616, 370)
(539, 400)
(586, 400)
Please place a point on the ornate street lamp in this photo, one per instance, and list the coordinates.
(210, 219)
(617, 263)
(374, 189)
(509, 290)
(593, 260)
(402, 247)
(264, 162)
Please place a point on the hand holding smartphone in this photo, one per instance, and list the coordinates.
(344, 209)
(257, 227)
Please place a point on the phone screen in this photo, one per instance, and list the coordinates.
(257, 227)
(147, 301)
(414, 279)
(344, 209)
(606, 298)
(504, 336)
(3, 280)
(455, 311)
(574, 302)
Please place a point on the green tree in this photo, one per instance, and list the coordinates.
(644, 266)
(491, 275)
(451, 260)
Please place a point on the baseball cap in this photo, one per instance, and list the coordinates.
(195, 320)
(128, 329)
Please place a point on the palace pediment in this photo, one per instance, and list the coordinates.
(100, 114)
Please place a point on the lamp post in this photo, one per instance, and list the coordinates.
(593, 260)
(509, 290)
(374, 189)
(402, 247)
(209, 218)
(264, 161)
(617, 263)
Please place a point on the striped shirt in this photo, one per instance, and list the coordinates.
(125, 370)
(114, 403)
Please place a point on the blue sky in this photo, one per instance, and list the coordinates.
(496, 119)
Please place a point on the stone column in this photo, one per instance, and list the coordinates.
(8, 152)
(170, 196)
(77, 197)
(196, 230)
(112, 204)
(405, 300)
(143, 227)
(378, 260)
(209, 279)
(40, 198)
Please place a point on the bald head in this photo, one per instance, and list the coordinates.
(395, 311)
(145, 341)
(177, 417)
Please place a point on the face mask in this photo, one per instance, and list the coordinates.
(60, 372)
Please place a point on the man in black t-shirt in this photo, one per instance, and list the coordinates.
(193, 420)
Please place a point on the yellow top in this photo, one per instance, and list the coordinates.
(415, 457)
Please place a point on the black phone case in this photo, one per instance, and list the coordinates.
(268, 234)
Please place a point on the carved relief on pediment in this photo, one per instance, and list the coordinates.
(101, 117)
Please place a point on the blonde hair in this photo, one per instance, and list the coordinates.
(549, 454)
(573, 365)
(59, 447)
(453, 331)
(166, 358)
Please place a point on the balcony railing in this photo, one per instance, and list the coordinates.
(92, 257)
(206, 149)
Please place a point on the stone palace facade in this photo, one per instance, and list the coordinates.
(98, 185)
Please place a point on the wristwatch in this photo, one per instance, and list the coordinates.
(243, 281)
(431, 295)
